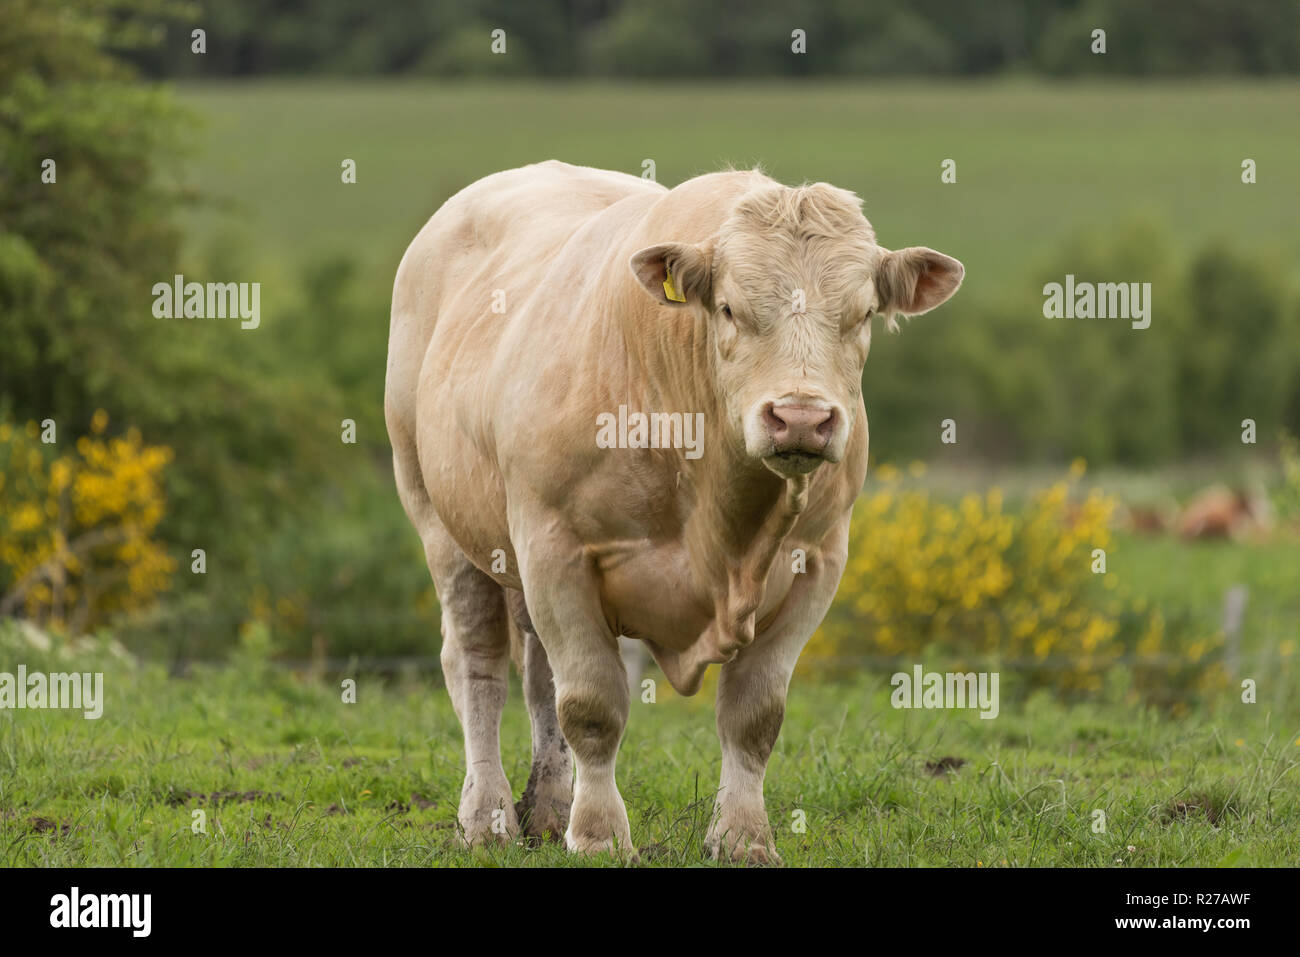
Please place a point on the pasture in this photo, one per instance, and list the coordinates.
(1035, 162)
(287, 774)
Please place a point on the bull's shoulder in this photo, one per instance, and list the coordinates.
(550, 187)
(525, 214)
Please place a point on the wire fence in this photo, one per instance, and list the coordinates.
(1258, 641)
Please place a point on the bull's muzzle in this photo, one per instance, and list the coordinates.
(799, 429)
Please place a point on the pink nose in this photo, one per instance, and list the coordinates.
(798, 428)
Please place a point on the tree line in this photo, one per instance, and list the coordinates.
(730, 38)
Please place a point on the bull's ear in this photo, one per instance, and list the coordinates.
(674, 273)
(916, 279)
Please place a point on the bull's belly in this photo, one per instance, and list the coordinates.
(649, 598)
(651, 595)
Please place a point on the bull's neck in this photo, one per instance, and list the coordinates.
(736, 511)
(737, 547)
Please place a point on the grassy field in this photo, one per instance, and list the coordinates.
(1035, 161)
(287, 774)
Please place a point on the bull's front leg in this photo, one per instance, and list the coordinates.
(751, 707)
(591, 692)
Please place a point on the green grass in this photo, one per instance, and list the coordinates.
(287, 774)
(1035, 161)
(1197, 575)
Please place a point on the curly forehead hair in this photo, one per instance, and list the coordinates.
(804, 213)
(816, 231)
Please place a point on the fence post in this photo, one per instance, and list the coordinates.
(1234, 612)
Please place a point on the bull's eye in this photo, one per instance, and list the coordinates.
(726, 311)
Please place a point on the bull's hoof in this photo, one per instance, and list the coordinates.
(746, 843)
(755, 854)
(473, 833)
(601, 833)
(598, 825)
(543, 821)
(486, 815)
(592, 846)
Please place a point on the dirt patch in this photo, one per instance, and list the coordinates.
(423, 825)
(43, 825)
(353, 762)
(417, 801)
(178, 798)
(1213, 808)
(944, 765)
(655, 852)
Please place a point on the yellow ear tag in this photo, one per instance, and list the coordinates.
(670, 290)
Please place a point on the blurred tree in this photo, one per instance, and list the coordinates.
(663, 38)
(1223, 345)
(660, 41)
(1174, 37)
(1242, 354)
(89, 166)
(84, 216)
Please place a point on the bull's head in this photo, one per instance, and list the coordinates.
(788, 287)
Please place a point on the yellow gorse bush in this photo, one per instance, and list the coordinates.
(76, 529)
(974, 580)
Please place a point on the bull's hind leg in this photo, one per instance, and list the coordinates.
(475, 665)
(475, 653)
(543, 809)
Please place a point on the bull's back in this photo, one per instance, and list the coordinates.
(494, 236)
(488, 246)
